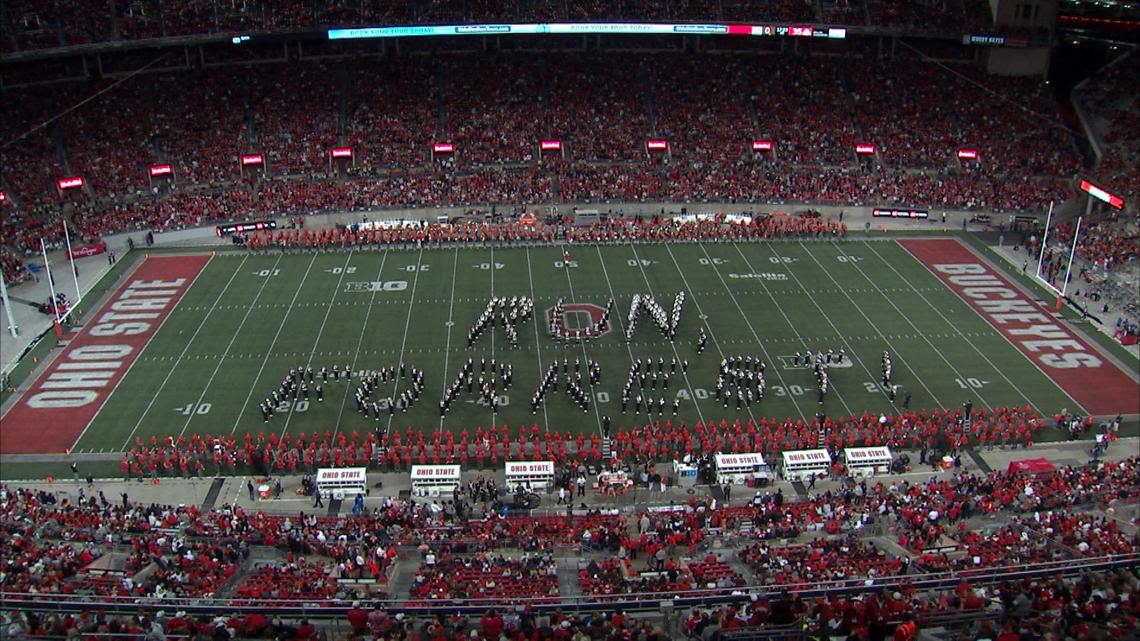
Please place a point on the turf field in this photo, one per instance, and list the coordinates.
(248, 318)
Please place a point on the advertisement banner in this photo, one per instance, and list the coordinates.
(90, 249)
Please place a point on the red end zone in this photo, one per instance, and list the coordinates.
(1081, 371)
(66, 397)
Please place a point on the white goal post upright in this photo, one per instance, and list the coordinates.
(1072, 254)
(1044, 242)
(74, 270)
(13, 329)
(51, 286)
(59, 318)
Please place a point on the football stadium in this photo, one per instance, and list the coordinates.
(353, 320)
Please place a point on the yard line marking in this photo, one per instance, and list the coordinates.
(672, 344)
(360, 340)
(450, 325)
(997, 369)
(897, 354)
(257, 378)
(609, 284)
(705, 322)
(795, 330)
(174, 367)
(852, 353)
(767, 356)
(317, 340)
(404, 342)
(907, 318)
(537, 339)
(494, 406)
(585, 354)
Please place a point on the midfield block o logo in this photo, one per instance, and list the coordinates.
(580, 317)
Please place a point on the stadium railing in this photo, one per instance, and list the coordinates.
(633, 603)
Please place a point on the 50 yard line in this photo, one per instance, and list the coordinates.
(450, 326)
(585, 354)
(494, 406)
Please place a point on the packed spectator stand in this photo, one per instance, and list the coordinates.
(495, 110)
(466, 551)
(495, 117)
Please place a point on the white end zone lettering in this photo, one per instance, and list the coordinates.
(977, 283)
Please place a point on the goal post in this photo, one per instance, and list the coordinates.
(59, 315)
(1047, 273)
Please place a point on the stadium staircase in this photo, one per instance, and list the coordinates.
(568, 583)
(400, 582)
(440, 104)
(56, 133)
(342, 108)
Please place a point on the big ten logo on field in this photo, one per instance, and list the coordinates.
(578, 321)
(359, 287)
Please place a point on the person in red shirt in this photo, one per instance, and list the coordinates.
(906, 631)
(357, 618)
(492, 625)
(306, 630)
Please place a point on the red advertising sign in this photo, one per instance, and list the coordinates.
(70, 183)
(161, 170)
(761, 145)
(968, 154)
(341, 152)
(1100, 194)
(91, 249)
(443, 147)
(864, 149)
(550, 145)
(252, 159)
(657, 144)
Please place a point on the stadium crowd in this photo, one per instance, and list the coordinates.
(813, 123)
(465, 547)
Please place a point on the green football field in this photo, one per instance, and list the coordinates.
(249, 318)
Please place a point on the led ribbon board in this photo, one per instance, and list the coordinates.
(589, 28)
